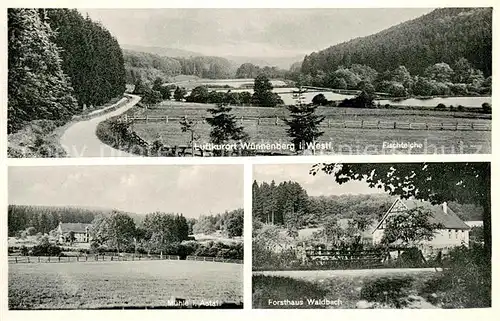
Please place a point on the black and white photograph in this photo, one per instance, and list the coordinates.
(198, 82)
(371, 236)
(125, 237)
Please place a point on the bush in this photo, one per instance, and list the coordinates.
(441, 106)
(486, 108)
(46, 250)
(265, 288)
(464, 283)
(320, 99)
(392, 291)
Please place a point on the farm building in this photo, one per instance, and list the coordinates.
(453, 233)
(80, 231)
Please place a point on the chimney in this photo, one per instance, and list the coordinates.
(445, 208)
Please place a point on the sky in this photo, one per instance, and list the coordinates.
(190, 190)
(248, 32)
(319, 185)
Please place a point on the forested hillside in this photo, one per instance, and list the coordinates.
(288, 204)
(149, 66)
(444, 35)
(57, 62)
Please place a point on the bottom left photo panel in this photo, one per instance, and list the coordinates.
(125, 237)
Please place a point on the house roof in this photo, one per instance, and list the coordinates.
(75, 227)
(448, 220)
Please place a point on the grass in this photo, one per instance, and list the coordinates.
(346, 288)
(42, 138)
(121, 284)
(344, 140)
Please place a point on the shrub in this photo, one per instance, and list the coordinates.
(486, 108)
(392, 291)
(320, 99)
(24, 250)
(441, 106)
(265, 288)
(465, 283)
(46, 250)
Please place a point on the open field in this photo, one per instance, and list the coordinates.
(344, 140)
(121, 284)
(343, 289)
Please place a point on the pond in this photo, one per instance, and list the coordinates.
(286, 93)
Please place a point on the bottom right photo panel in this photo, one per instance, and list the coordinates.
(371, 235)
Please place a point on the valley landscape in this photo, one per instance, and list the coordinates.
(357, 95)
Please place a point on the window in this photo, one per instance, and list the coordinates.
(449, 234)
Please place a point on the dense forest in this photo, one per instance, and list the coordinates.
(46, 218)
(59, 61)
(289, 205)
(444, 35)
(149, 66)
(248, 70)
(91, 56)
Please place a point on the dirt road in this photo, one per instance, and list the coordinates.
(80, 139)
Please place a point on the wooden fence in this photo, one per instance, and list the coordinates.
(213, 259)
(88, 258)
(345, 257)
(113, 258)
(331, 123)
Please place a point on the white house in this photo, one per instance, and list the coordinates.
(454, 231)
(81, 232)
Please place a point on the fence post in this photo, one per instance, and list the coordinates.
(362, 122)
(472, 126)
(276, 121)
(16, 259)
(258, 120)
(442, 126)
(166, 119)
(426, 126)
(328, 122)
(395, 125)
(146, 119)
(49, 259)
(38, 259)
(59, 258)
(456, 126)
(409, 125)
(378, 124)
(28, 259)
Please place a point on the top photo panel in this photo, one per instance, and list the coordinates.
(248, 82)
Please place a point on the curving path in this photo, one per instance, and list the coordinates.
(80, 139)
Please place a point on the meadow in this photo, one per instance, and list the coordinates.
(344, 140)
(138, 284)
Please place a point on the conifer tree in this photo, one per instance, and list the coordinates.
(37, 85)
(224, 125)
(303, 123)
